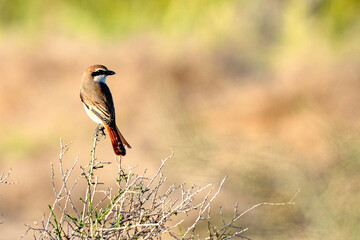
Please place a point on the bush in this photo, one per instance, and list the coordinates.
(138, 208)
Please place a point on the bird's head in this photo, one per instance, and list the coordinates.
(98, 73)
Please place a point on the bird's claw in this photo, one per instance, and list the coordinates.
(100, 131)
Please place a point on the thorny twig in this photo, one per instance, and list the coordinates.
(4, 176)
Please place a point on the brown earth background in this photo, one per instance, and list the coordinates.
(266, 92)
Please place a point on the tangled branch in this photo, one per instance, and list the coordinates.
(138, 207)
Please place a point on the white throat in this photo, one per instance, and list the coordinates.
(100, 78)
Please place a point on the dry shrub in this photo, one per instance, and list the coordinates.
(138, 208)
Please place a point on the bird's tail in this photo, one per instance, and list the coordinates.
(117, 140)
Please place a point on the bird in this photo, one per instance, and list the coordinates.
(99, 104)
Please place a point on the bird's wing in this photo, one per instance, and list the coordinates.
(101, 104)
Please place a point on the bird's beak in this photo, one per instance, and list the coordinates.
(109, 72)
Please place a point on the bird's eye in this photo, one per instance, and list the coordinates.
(97, 72)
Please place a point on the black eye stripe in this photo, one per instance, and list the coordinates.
(98, 72)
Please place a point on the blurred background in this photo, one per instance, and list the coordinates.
(266, 92)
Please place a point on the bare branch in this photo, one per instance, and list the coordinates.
(4, 176)
(137, 208)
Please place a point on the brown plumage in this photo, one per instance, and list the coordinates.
(99, 105)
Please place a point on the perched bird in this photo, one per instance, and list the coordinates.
(99, 105)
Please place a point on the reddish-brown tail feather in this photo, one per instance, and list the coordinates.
(116, 140)
(123, 139)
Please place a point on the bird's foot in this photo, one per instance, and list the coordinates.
(100, 131)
